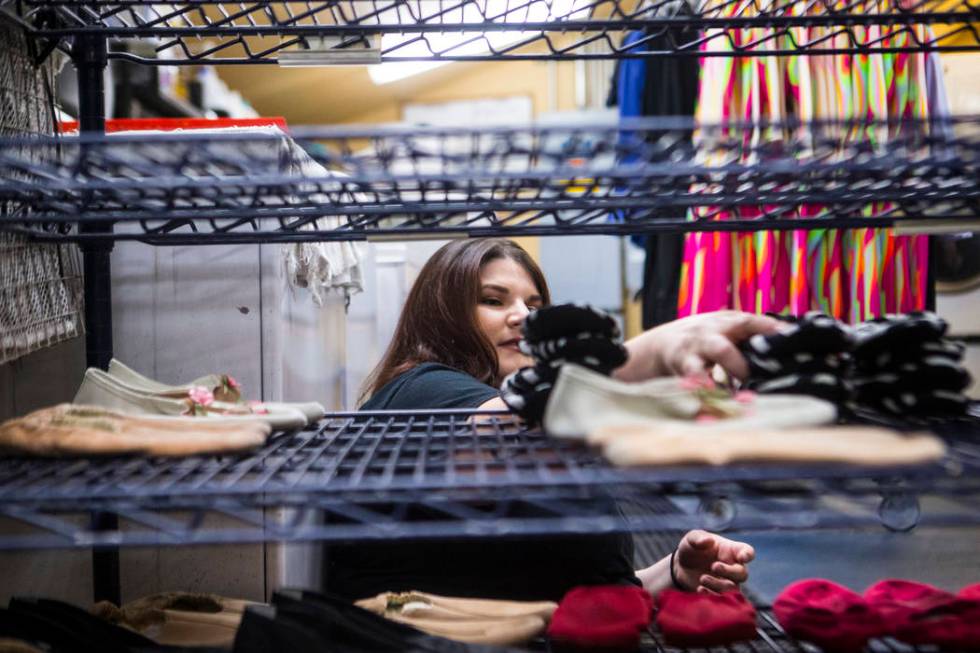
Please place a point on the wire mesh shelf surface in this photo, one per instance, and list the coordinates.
(369, 476)
(350, 184)
(371, 31)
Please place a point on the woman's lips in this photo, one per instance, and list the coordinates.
(510, 344)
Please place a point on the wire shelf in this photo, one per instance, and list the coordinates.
(372, 31)
(437, 474)
(641, 175)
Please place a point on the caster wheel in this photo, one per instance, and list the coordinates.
(899, 512)
(717, 513)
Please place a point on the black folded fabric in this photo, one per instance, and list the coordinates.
(814, 333)
(525, 399)
(762, 367)
(922, 377)
(599, 353)
(896, 332)
(265, 629)
(942, 348)
(86, 629)
(934, 403)
(822, 386)
(562, 320)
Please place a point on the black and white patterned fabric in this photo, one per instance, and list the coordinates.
(814, 333)
(898, 365)
(553, 336)
(564, 320)
(595, 352)
(823, 386)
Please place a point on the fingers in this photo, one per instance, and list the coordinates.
(716, 348)
(734, 573)
(745, 554)
(699, 539)
(746, 325)
(715, 584)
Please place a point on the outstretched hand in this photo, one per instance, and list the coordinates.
(710, 563)
(691, 345)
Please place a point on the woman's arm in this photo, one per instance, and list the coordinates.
(691, 345)
(703, 562)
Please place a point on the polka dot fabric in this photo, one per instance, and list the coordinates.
(553, 336)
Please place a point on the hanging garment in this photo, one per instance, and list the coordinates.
(854, 275)
(670, 89)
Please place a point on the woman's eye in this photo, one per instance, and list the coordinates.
(491, 301)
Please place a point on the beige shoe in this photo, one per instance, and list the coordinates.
(223, 387)
(100, 389)
(480, 621)
(179, 618)
(649, 444)
(583, 402)
(69, 429)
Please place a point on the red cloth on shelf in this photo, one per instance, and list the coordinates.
(827, 614)
(917, 613)
(970, 592)
(602, 616)
(691, 619)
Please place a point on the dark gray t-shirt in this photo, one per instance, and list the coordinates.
(518, 568)
(431, 385)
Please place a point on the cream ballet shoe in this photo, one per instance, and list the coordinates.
(483, 621)
(583, 402)
(100, 389)
(69, 429)
(650, 444)
(222, 386)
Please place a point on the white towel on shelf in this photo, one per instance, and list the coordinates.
(322, 267)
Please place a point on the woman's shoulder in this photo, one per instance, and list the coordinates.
(431, 385)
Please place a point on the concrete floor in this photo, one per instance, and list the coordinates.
(946, 557)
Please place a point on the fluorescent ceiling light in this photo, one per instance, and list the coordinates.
(333, 51)
(424, 44)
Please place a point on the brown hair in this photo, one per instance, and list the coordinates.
(438, 322)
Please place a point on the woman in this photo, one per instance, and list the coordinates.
(455, 341)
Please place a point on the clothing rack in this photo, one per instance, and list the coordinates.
(95, 214)
(211, 31)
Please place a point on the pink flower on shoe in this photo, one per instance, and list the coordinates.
(745, 396)
(697, 383)
(258, 408)
(201, 395)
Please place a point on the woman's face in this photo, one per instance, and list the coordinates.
(507, 295)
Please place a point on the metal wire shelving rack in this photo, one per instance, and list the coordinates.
(371, 31)
(435, 474)
(96, 190)
(354, 184)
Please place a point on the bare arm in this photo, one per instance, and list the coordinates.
(691, 345)
(704, 563)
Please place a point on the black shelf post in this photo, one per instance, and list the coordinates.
(89, 57)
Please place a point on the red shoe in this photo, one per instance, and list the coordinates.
(827, 614)
(917, 613)
(602, 616)
(691, 619)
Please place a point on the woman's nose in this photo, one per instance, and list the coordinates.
(517, 315)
